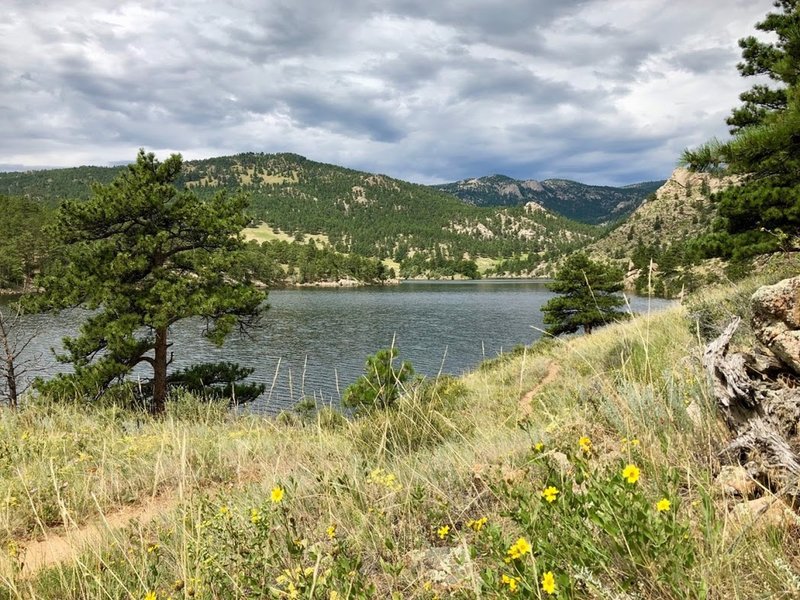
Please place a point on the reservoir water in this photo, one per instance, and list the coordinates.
(314, 341)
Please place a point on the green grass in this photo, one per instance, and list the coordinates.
(390, 505)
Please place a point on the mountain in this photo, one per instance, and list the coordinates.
(362, 213)
(578, 201)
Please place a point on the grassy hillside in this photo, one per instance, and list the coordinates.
(516, 479)
(585, 203)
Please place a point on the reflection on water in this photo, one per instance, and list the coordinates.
(313, 342)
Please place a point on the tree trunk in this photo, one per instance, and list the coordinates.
(160, 372)
(10, 371)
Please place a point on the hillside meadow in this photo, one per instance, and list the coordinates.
(570, 469)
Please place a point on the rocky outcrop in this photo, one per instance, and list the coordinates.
(776, 320)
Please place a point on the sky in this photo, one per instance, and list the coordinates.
(601, 91)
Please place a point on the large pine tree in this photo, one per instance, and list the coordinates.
(762, 214)
(143, 255)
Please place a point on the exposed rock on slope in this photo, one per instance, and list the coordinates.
(680, 209)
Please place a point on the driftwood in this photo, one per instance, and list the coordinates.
(758, 397)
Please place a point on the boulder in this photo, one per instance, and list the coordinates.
(776, 320)
(733, 480)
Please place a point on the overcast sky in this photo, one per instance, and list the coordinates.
(602, 91)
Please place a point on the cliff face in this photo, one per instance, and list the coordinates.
(679, 210)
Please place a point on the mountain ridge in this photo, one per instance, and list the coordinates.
(593, 204)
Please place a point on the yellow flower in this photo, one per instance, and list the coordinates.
(520, 548)
(477, 524)
(443, 531)
(586, 444)
(549, 583)
(277, 494)
(663, 505)
(550, 493)
(152, 548)
(511, 582)
(255, 516)
(334, 595)
(631, 473)
(539, 447)
(427, 586)
(150, 596)
(331, 531)
(224, 511)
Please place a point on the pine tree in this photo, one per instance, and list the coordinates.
(777, 60)
(762, 214)
(143, 256)
(588, 296)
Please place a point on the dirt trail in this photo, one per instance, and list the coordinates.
(56, 548)
(526, 402)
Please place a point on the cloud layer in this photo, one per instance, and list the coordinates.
(603, 91)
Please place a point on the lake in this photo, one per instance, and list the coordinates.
(314, 341)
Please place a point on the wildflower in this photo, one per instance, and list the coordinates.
(477, 524)
(224, 511)
(334, 595)
(150, 596)
(631, 473)
(539, 447)
(520, 548)
(443, 531)
(635, 442)
(25, 436)
(586, 444)
(550, 493)
(277, 494)
(255, 516)
(331, 531)
(152, 548)
(427, 586)
(511, 582)
(549, 583)
(663, 505)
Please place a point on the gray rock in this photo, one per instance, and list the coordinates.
(776, 320)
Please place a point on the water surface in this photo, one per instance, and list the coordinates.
(314, 341)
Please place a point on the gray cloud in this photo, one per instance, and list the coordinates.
(604, 91)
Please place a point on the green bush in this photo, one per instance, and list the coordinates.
(380, 385)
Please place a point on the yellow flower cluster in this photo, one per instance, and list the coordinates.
(477, 524)
(331, 531)
(255, 516)
(550, 493)
(443, 531)
(539, 446)
(586, 444)
(518, 549)
(511, 582)
(387, 480)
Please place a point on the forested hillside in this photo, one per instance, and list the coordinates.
(586, 203)
(361, 213)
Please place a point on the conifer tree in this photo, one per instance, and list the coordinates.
(762, 214)
(587, 297)
(142, 256)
